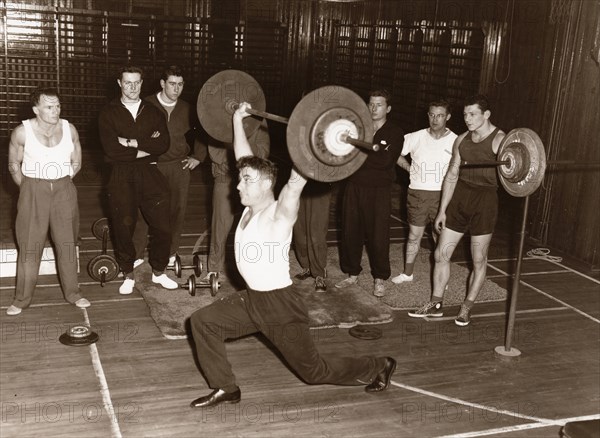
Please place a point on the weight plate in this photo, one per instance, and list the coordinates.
(524, 175)
(103, 264)
(197, 265)
(217, 99)
(214, 284)
(99, 227)
(306, 123)
(365, 332)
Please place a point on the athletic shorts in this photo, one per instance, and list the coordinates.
(472, 209)
(422, 206)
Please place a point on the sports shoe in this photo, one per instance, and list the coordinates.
(303, 275)
(171, 261)
(127, 287)
(320, 285)
(430, 309)
(13, 310)
(464, 316)
(164, 281)
(353, 279)
(379, 288)
(82, 303)
(137, 263)
(402, 278)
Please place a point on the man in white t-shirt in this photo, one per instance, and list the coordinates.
(430, 150)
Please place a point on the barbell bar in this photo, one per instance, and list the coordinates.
(342, 136)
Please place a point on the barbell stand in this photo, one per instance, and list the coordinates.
(506, 351)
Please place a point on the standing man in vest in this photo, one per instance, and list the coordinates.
(177, 163)
(430, 151)
(367, 204)
(133, 134)
(469, 204)
(44, 155)
(271, 304)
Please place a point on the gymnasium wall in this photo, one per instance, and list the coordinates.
(534, 58)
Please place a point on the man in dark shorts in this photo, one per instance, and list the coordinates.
(469, 204)
(430, 151)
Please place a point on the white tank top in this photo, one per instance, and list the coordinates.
(42, 162)
(264, 264)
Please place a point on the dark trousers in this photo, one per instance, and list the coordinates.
(142, 186)
(282, 317)
(178, 180)
(366, 220)
(310, 229)
(225, 206)
(46, 204)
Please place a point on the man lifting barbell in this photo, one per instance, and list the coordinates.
(469, 203)
(271, 304)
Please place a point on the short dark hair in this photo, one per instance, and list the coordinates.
(131, 69)
(34, 97)
(441, 103)
(479, 100)
(382, 92)
(265, 167)
(172, 70)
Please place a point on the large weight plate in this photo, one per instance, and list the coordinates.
(525, 151)
(216, 99)
(99, 227)
(103, 264)
(301, 131)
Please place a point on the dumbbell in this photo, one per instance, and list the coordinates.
(196, 266)
(191, 285)
(104, 267)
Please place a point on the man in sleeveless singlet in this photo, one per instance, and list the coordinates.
(469, 204)
(44, 155)
(270, 304)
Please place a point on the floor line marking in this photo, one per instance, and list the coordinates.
(596, 320)
(104, 391)
(471, 404)
(93, 302)
(559, 422)
(487, 315)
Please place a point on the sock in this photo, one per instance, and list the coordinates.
(157, 273)
(435, 299)
(468, 304)
(409, 268)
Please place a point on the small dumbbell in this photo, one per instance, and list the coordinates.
(191, 285)
(196, 266)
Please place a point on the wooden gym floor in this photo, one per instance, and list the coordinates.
(133, 382)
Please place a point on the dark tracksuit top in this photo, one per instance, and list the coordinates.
(136, 182)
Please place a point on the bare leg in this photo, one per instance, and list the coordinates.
(447, 243)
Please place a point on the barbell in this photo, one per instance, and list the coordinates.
(327, 133)
(330, 130)
(103, 267)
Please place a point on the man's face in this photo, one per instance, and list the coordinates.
(252, 186)
(474, 117)
(131, 86)
(172, 87)
(48, 109)
(438, 116)
(379, 108)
